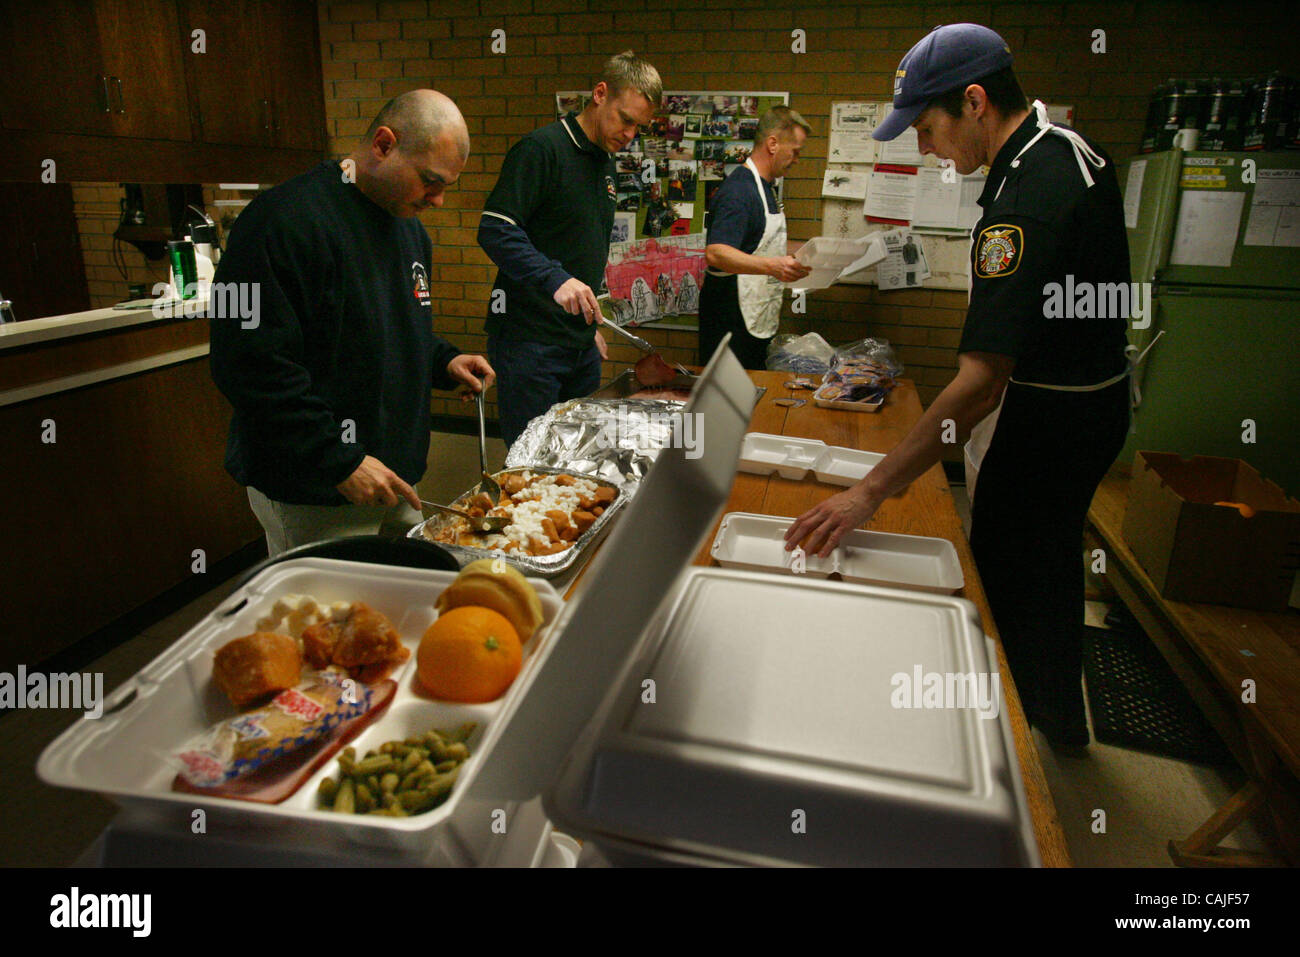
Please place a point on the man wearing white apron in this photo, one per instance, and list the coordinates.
(746, 245)
(1043, 398)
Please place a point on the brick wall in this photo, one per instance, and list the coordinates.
(373, 51)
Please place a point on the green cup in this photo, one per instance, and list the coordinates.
(185, 270)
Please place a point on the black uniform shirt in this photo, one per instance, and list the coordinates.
(557, 187)
(1048, 227)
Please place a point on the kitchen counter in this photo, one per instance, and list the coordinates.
(32, 331)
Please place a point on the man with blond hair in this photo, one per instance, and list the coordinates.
(546, 225)
(330, 384)
(746, 246)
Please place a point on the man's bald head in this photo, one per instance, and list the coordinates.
(415, 148)
(418, 119)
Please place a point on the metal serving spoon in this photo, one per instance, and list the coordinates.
(488, 523)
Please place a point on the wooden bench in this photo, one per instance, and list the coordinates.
(1217, 651)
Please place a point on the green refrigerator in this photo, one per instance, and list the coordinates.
(1217, 235)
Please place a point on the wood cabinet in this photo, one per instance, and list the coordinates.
(258, 82)
(98, 74)
(41, 268)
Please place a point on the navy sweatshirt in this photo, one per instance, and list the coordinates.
(340, 358)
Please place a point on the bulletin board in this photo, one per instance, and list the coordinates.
(665, 181)
(869, 186)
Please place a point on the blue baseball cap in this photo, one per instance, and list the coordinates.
(946, 57)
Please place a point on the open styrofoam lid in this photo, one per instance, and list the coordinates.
(658, 535)
(780, 731)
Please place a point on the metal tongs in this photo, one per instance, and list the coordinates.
(488, 523)
(634, 339)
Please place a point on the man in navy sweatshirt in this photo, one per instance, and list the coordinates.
(546, 225)
(330, 378)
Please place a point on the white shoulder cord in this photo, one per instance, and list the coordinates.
(1083, 153)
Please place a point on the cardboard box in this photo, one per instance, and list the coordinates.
(1197, 551)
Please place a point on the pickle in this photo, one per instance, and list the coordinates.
(458, 752)
(347, 764)
(461, 734)
(365, 799)
(410, 763)
(328, 790)
(413, 802)
(345, 800)
(377, 764)
(446, 766)
(388, 783)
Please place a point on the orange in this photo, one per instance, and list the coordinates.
(1245, 510)
(469, 654)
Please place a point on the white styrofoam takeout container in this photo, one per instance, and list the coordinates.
(780, 732)
(793, 458)
(125, 754)
(763, 453)
(757, 543)
(841, 466)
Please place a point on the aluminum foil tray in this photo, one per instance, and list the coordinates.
(546, 566)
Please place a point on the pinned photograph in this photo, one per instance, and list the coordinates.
(629, 182)
(711, 169)
(677, 103)
(654, 147)
(709, 149)
(570, 102)
(628, 162)
(661, 167)
(624, 225)
(702, 105)
(723, 127)
(681, 151)
(725, 103)
(746, 128)
(737, 153)
(628, 202)
(747, 106)
(681, 179)
(681, 227)
(676, 127)
(710, 188)
(693, 123)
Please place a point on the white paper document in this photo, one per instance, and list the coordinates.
(902, 149)
(832, 258)
(891, 196)
(1274, 209)
(861, 117)
(905, 266)
(851, 146)
(1133, 192)
(1207, 226)
(938, 203)
(843, 184)
(970, 211)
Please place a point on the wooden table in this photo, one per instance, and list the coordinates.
(925, 509)
(1214, 649)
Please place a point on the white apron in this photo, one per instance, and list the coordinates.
(760, 296)
(982, 434)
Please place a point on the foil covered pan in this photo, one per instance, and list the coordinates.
(546, 566)
(614, 439)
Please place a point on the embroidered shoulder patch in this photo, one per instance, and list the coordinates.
(998, 250)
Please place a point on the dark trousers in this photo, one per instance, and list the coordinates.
(720, 314)
(1048, 454)
(533, 376)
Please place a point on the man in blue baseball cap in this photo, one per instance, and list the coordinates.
(1042, 398)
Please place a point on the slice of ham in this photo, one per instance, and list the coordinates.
(652, 372)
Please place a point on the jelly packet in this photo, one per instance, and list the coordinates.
(293, 718)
